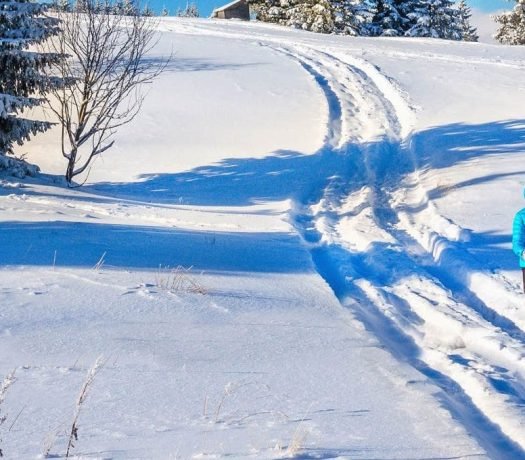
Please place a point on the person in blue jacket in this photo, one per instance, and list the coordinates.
(518, 239)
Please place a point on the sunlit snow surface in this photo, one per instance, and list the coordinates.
(345, 207)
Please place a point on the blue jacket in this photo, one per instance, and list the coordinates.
(518, 236)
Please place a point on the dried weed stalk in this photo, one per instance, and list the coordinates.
(299, 437)
(90, 377)
(98, 266)
(6, 383)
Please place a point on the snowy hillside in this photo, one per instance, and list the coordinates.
(342, 209)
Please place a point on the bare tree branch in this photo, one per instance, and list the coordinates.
(104, 74)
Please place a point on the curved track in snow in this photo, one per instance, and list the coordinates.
(371, 249)
(396, 263)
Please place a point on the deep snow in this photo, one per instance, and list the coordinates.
(345, 205)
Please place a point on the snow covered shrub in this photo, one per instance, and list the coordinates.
(313, 15)
(23, 83)
(512, 25)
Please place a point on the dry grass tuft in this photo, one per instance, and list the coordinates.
(178, 279)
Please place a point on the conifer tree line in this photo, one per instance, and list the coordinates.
(122, 8)
(118, 7)
(373, 18)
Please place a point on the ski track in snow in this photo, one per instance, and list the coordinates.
(392, 259)
(455, 332)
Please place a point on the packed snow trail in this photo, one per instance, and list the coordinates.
(366, 224)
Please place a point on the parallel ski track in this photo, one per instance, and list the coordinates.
(484, 368)
(411, 299)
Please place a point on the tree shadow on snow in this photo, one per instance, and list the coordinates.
(78, 244)
(289, 174)
(194, 65)
(285, 174)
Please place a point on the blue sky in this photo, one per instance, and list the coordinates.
(491, 5)
(206, 6)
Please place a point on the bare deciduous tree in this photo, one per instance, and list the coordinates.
(104, 75)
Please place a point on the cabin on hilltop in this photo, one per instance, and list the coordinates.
(238, 9)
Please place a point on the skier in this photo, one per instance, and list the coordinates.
(518, 239)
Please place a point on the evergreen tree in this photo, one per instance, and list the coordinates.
(99, 6)
(468, 33)
(436, 19)
(190, 11)
(388, 19)
(81, 6)
(354, 17)
(60, 5)
(117, 8)
(165, 12)
(512, 25)
(107, 7)
(312, 15)
(147, 11)
(22, 82)
(418, 18)
(342, 16)
(129, 8)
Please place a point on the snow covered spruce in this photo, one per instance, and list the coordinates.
(512, 25)
(23, 83)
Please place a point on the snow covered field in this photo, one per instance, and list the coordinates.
(345, 206)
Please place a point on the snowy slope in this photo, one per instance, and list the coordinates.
(345, 205)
